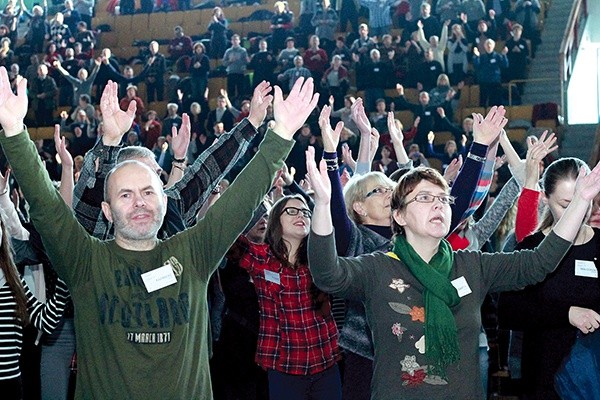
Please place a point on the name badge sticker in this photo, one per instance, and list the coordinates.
(493, 61)
(461, 286)
(159, 278)
(586, 269)
(271, 276)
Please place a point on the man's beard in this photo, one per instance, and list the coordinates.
(128, 231)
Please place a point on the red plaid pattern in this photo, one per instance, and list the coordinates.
(293, 338)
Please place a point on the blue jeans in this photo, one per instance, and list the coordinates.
(57, 350)
(324, 385)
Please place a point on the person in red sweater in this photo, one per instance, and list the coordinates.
(132, 95)
(315, 59)
(150, 129)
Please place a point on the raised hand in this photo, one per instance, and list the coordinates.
(286, 175)
(291, 113)
(359, 116)
(395, 131)
(116, 121)
(430, 137)
(588, 186)
(486, 130)
(347, 157)
(259, 103)
(180, 141)
(452, 169)
(331, 137)
(13, 108)
(345, 178)
(441, 112)
(66, 159)
(318, 178)
(373, 143)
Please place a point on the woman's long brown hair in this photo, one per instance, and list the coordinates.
(12, 276)
(274, 235)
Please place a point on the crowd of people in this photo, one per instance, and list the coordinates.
(292, 241)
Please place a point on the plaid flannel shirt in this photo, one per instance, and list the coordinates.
(184, 198)
(293, 338)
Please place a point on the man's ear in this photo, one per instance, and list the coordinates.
(107, 212)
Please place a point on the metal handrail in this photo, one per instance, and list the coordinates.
(515, 81)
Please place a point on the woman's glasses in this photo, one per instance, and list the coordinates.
(430, 198)
(293, 211)
(378, 190)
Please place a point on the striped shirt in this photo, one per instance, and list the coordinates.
(42, 316)
(379, 12)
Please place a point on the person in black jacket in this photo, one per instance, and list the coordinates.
(263, 63)
(155, 81)
(199, 69)
(42, 93)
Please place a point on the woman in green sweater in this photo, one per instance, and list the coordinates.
(422, 300)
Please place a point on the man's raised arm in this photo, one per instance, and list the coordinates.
(88, 193)
(192, 191)
(225, 220)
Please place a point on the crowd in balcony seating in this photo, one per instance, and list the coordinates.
(369, 61)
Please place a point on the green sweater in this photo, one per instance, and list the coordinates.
(132, 344)
(394, 306)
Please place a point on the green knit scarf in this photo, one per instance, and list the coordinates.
(441, 336)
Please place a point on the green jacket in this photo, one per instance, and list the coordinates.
(132, 344)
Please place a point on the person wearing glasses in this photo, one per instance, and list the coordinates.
(422, 299)
(298, 338)
(362, 220)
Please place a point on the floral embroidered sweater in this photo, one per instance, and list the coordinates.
(395, 311)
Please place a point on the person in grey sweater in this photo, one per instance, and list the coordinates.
(84, 81)
(236, 59)
(422, 300)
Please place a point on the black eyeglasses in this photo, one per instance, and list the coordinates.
(430, 198)
(378, 190)
(293, 211)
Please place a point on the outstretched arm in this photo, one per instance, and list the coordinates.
(50, 215)
(339, 216)
(232, 212)
(66, 161)
(88, 193)
(192, 191)
(468, 189)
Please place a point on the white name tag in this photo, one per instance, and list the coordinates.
(493, 61)
(159, 278)
(521, 46)
(427, 113)
(433, 68)
(271, 276)
(461, 286)
(586, 269)
(375, 69)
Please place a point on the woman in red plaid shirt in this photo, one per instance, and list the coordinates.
(297, 342)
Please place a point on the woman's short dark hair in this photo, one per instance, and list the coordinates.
(407, 184)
